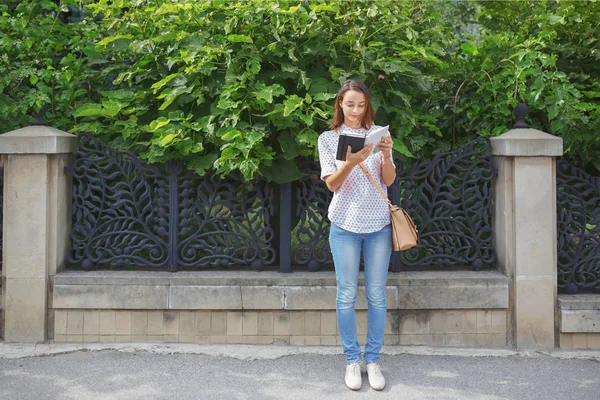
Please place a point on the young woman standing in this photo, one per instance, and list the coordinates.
(360, 222)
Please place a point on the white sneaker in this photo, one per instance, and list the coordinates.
(376, 379)
(353, 377)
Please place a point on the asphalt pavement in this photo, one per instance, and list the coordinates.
(178, 371)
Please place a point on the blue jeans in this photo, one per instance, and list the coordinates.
(346, 248)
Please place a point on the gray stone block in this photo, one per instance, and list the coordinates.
(120, 278)
(205, 298)
(25, 313)
(580, 321)
(262, 297)
(458, 296)
(310, 298)
(579, 302)
(527, 142)
(37, 140)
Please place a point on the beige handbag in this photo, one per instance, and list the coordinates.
(404, 230)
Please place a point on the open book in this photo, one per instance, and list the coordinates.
(358, 141)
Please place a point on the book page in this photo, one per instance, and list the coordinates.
(375, 137)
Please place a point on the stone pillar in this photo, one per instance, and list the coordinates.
(36, 225)
(525, 229)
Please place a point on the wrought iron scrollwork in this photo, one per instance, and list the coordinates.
(449, 198)
(578, 230)
(312, 233)
(130, 213)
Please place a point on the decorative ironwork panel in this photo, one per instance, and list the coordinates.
(449, 197)
(127, 213)
(578, 230)
(312, 232)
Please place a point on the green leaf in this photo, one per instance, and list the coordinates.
(88, 110)
(268, 92)
(167, 37)
(325, 96)
(307, 136)
(556, 19)
(167, 139)
(200, 164)
(401, 148)
(227, 104)
(239, 39)
(90, 51)
(291, 148)
(111, 108)
(253, 66)
(290, 104)
(320, 8)
(322, 113)
(232, 134)
(248, 168)
(319, 85)
(171, 95)
(552, 111)
(158, 85)
(306, 118)
(245, 145)
(469, 48)
(282, 171)
(158, 123)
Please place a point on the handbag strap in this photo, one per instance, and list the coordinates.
(370, 177)
(375, 185)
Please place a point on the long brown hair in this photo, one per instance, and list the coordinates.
(358, 86)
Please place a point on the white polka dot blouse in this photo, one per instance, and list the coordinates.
(356, 206)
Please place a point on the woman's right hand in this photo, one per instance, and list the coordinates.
(358, 157)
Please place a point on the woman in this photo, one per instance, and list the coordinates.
(360, 221)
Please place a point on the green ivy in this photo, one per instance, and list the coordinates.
(246, 87)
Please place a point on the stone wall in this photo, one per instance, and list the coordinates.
(433, 308)
(579, 321)
(470, 328)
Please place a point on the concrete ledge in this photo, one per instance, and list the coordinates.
(269, 278)
(37, 140)
(527, 143)
(579, 313)
(108, 296)
(579, 302)
(205, 297)
(247, 290)
(453, 296)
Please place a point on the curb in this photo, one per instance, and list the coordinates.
(248, 352)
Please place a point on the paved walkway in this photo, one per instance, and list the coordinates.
(156, 371)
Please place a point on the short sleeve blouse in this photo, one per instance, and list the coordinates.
(356, 206)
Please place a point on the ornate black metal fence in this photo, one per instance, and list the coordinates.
(578, 206)
(127, 213)
(449, 197)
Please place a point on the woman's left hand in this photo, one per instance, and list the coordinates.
(385, 145)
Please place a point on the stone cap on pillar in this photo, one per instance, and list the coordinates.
(526, 142)
(37, 139)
